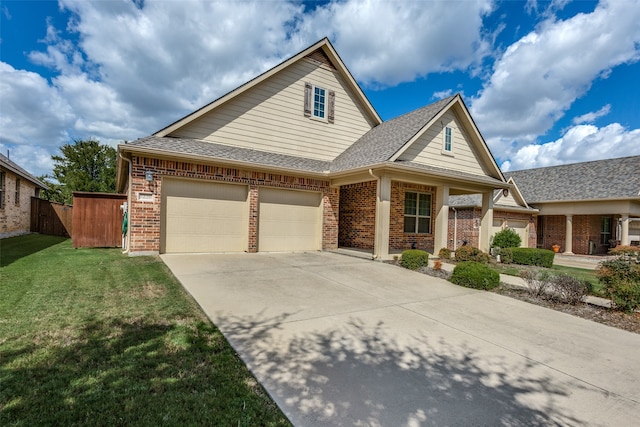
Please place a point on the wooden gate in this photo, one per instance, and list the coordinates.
(54, 219)
(97, 220)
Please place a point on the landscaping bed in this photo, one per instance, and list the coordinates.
(617, 319)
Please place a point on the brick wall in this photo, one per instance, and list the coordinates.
(357, 215)
(468, 221)
(15, 218)
(585, 228)
(144, 222)
(398, 239)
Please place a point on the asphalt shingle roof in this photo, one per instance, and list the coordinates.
(601, 179)
(9, 164)
(383, 141)
(226, 152)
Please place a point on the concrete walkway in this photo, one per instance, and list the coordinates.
(338, 340)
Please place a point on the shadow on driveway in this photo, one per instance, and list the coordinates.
(358, 375)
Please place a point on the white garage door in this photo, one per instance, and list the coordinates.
(199, 216)
(519, 227)
(289, 220)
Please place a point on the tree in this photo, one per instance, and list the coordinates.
(83, 166)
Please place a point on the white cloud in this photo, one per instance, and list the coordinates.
(592, 116)
(125, 69)
(442, 94)
(385, 43)
(579, 144)
(539, 77)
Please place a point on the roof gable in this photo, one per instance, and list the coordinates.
(12, 166)
(595, 180)
(322, 52)
(393, 140)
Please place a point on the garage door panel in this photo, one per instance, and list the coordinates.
(204, 217)
(289, 220)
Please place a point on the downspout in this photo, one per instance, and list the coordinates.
(374, 255)
(127, 239)
(455, 228)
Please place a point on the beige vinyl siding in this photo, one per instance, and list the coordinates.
(270, 116)
(508, 201)
(428, 149)
(200, 216)
(289, 220)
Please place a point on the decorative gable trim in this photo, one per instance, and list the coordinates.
(320, 57)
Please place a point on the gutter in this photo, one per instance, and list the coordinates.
(126, 240)
(377, 178)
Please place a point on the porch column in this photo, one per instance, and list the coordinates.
(486, 221)
(442, 219)
(624, 235)
(383, 217)
(568, 239)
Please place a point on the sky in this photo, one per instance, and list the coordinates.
(547, 82)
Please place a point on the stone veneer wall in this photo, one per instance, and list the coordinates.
(144, 221)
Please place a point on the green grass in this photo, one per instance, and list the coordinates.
(93, 337)
(579, 273)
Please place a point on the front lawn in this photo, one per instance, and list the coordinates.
(578, 273)
(93, 337)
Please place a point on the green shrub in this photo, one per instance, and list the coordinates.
(413, 259)
(621, 280)
(475, 275)
(506, 255)
(469, 253)
(444, 253)
(533, 256)
(506, 238)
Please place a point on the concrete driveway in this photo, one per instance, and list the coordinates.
(338, 340)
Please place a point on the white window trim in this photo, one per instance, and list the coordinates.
(324, 119)
(444, 141)
(417, 216)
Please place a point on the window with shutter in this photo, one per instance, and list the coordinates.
(319, 103)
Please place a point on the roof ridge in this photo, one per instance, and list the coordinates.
(572, 164)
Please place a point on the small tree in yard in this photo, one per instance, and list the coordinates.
(83, 166)
(621, 278)
(506, 238)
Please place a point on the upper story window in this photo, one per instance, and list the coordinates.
(319, 96)
(319, 103)
(17, 198)
(2, 189)
(417, 213)
(448, 140)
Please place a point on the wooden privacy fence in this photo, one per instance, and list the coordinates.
(97, 220)
(51, 218)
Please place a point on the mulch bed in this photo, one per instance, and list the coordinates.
(607, 316)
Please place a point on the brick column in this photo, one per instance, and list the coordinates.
(253, 219)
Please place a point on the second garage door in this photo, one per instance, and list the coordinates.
(200, 216)
(289, 220)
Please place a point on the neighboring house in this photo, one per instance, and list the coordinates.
(298, 159)
(510, 210)
(586, 208)
(17, 187)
